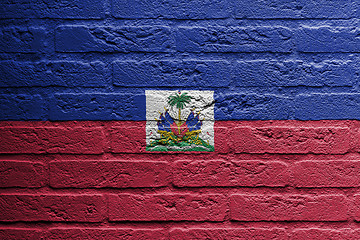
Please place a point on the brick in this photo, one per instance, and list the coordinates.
(76, 9)
(81, 140)
(172, 9)
(97, 106)
(261, 73)
(127, 139)
(23, 39)
(48, 74)
(106, 233)
(317, 233)
(167, 207)
(21, 233)
(21, 107)
(249, 106)
(327, 174)
(220, 139)
(300, 9)
(327, 39)
(327, 106)
(228, 233)
(235, 173)
(288, 208)
(22, 174)
(171, 73)
(284, 139)
(117, 174)
(234, 39)
(110, 39)
(60, 208)
(357, 208)
(333, 73)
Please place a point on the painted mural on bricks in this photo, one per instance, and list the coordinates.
(179, 120)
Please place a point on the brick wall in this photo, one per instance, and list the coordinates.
(292, 65)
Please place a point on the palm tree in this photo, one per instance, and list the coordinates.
(179, 100)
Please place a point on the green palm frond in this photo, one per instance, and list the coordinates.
(179, 100)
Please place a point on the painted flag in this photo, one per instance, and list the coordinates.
(179, 119)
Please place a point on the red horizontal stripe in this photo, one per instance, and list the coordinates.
(97, 137)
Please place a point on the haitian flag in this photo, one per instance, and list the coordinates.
(176, 119)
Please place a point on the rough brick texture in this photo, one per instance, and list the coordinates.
(316, 106)
(234, 173)
(23, 39)
(106, 233)
(99, 106)
(327, 39)
(171, 9)
(291, 140)
(51, 140)
(21, 107)
(294, 73)
(108, 39)
(54, 73)
(167, 207)
(128, 139)
(234, 39)
(289, 208)
(252, 106)
(171, 73)
(326, 174)
(316, 233)
(118, 174)
(357, 208)
(77, 9)
(301, 9)
(218, 233)
(18, 233)
(22, 174)
(285, 77)
(60, 208)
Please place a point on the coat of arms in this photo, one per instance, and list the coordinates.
(180, 121)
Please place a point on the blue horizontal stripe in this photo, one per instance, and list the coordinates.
(228, 106)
